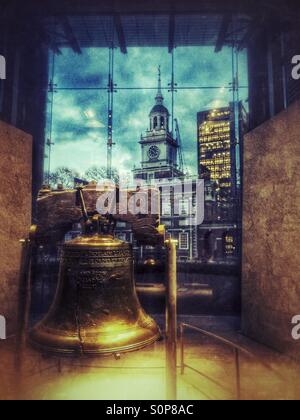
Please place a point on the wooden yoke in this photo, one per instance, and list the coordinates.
(59, 210)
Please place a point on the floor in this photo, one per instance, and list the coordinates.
(211, 372)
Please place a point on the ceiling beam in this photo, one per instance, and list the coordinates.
(256, 26)
(120, 32)
(69, 34)
(226, 21)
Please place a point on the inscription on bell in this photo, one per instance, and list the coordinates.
(96, 259)
(93, 279)
(90, 279)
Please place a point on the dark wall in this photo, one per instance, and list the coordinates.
(24, 92)
(271, 47)
(270, 286)
(15, 214)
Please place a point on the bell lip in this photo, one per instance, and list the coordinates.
(94, 352)
(96, 241)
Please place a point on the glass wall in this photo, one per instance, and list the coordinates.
(78, 103)
(100, 87)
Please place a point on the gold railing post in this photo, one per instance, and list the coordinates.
(182, 349)
(171, 321)
(24, 298)
(238, 374)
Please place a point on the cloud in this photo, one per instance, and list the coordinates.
(80, 139)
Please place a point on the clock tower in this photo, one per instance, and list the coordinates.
(159, 148)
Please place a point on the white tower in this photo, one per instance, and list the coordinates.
(159, 148)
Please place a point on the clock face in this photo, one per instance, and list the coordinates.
(154, 153)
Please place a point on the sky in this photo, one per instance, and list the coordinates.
(78, 127)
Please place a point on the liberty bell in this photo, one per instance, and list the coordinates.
(96, 310)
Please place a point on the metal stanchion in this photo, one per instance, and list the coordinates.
(24, 298)
(238, 374)
(182, 365)
(171, 321)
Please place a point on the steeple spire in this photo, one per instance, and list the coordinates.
(159, 97)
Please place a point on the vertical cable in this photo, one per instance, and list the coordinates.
(173, 90)
(49, 140)
(111, 91)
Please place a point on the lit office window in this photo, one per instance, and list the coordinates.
(184, 241)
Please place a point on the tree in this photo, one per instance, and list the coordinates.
(97, 174)
(63, 176)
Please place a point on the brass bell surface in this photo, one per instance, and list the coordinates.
(96, 310)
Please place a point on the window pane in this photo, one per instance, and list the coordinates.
(201, 66)
(78, 130)
(86, 70)
(139, 67)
